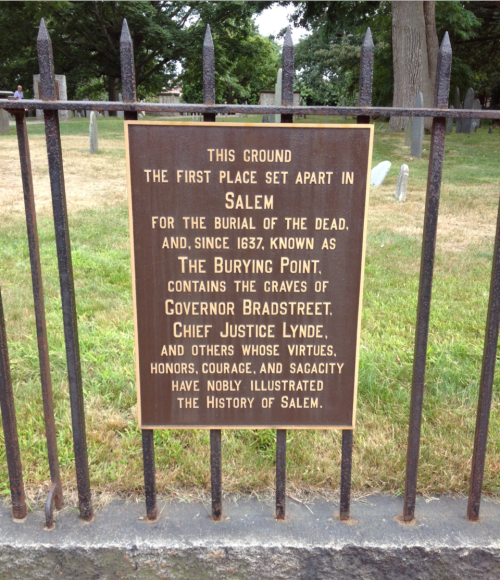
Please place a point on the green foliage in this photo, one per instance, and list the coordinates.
(245, 63)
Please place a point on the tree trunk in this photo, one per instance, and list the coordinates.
(112, 93)
(411, 57)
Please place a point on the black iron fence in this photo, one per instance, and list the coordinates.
(209, 110)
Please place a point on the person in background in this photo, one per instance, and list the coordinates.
(19, 93)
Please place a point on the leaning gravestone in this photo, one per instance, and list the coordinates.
(468, 104)
(476, 122)
(417, 130)
(93, 132)
(379, 173)
(277, 96)
(343, 104)
(459, 122)
(402, 183)
(449, 123)
(4, 121)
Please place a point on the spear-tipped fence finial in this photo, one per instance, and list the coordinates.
(443, 74)
(208, 69)
(366, 71)
(127, 65)
(288, 69)
(46, 64)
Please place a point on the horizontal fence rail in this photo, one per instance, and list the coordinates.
(248, 109)
(209, 110)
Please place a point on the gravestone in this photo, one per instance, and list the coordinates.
(93, 132)
(343, 104)
(61, 94)
(326, 120)
(265, 118)
(476, 122)
(277, 96)
(417, 129)
(402, 183)
(120, 113)
(408, 133)
(449, 123)
(271, 118)
(459, 121)
(170, 98)
(468, 104)
(379, 173)
(380, 128)
(490, 130)
(456, 98)
(4, 122)
(239, 117)
(106, 113)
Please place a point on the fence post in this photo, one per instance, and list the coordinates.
(287, 78)
(129, 95)
(56, 173)
(364, 100)
(436, 158)
(215, 434)
(486, 386)
(55, 495)
(10, 426)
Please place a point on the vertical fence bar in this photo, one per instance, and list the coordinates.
(56, 173)
(436, 158)
(364, 100)
(486, 386)
(129, 95)
(10, 426)
(215, 434)
(287, 78)
(55, 495)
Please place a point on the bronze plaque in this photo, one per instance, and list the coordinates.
(248, 245)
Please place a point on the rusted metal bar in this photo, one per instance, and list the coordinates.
(216, 473)
(436, 158)
(41, 326)
(345, 475)
(280, 474)
(56, 174)
(129, 95)
(9, 425)
(148, 455)
(49, 507)
(215, 434)
(201, 109)
(486, 385)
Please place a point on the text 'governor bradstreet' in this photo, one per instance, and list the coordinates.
(254, 247)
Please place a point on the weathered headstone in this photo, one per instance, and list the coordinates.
(468, 104)
(408, 132)
(106, 113)
(277, 95)
(459, 121)
(402, 183)
(239, 117)
(265, 118)
(343, 104)
(120, 113)
(93, 132)
(490, 130)
(379, 173)
(326, 119)
(417, 130)
(4, 122)
(476, 122)
(61, 94)
(456, 98)
(449, 123)
(271, 118)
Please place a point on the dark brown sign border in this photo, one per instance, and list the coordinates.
(275, 126)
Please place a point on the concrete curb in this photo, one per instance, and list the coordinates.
(250, 544)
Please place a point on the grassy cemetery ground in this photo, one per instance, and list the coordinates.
(98, 216)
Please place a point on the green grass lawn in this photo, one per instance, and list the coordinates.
(101, 261)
